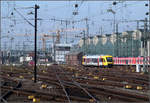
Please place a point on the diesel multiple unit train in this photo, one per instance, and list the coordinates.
(108, 60)
(97, 60)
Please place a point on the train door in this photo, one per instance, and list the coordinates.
(83, 61)
(94, 61)
(117, 60)
(126, 61)
(137, 60)
(100, 61)
(87, 61)
(123, 61)
(134, 61)
(148, 60)
(105, 62)
(114, 60)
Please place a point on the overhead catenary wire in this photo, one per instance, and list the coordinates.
(117, 8)
(24, 18)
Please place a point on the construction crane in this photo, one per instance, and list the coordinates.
(57, 36)
(44, 37)
(66, 30)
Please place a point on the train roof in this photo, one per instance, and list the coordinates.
(94, 56)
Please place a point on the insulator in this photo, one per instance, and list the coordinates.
(147, 13)
(146, 4)
(12, 13)
(76, 5)
(75, 13)
(114, 3)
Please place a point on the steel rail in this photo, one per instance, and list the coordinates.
(62, 87)
(6, 94)
(118, 93)
(46, 95)
(77, 84)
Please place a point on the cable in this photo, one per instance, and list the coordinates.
(24, 18)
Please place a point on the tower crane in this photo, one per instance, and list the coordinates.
(44, 37)
(57, 36)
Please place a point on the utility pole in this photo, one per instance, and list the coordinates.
(101, 30)
(0, 46)
(54, 48)
(145, 44)
(11, 40)
(87, 26)
(66, 31)
(117, 38)
(35, 45)
(114, 22)
(137, 25)
(84, 42)
(149, 14)
(131, 45)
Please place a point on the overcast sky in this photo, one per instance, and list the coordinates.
(95, 11)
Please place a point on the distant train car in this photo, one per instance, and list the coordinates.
(131, 60)
(97, 60)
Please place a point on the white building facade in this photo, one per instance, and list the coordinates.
(60, 51)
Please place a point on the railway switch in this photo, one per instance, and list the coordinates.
(44, 71)
(11, 69)
(30, 97)
(133, 70)
(142, 73)
(43, 86)
(103, 79)
(33, 78)
(90, 74)
(36, 100)
(127, 70)
(109, 97)
(128, 86)
(96, 77)
(21, 77)
(139, 88)
(76, 75)
(29, 72)
(91, 100)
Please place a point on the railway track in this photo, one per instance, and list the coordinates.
(117, 78)
(13, 85)
(67, 82)
(68, 91)
(129, 97)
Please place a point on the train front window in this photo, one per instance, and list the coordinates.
(83, 59)
(109, 59)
